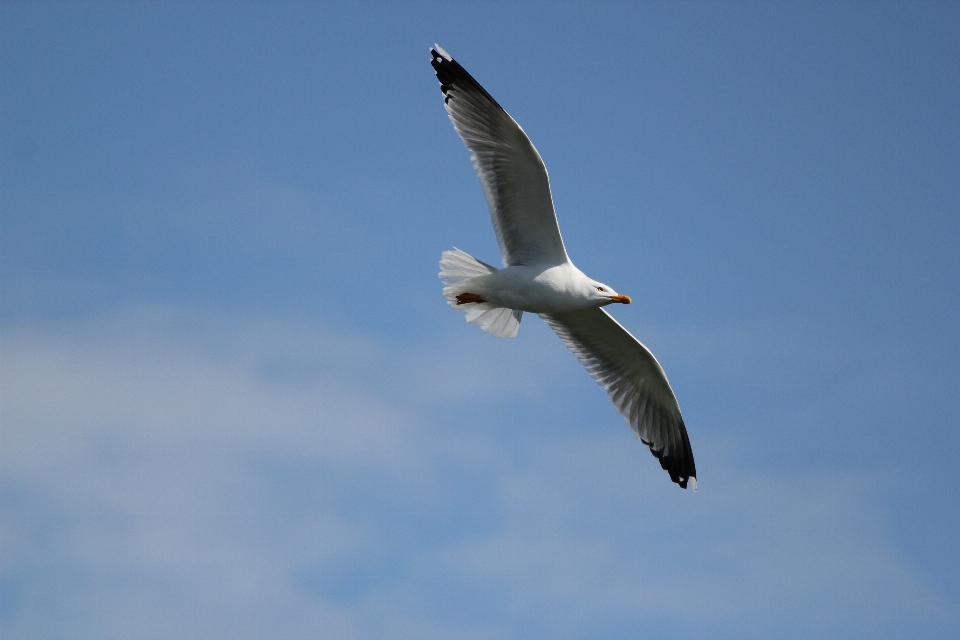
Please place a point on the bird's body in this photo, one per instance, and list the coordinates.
(539, 289)
(538, 276)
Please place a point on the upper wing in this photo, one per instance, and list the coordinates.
(511, 172)
(635, 383)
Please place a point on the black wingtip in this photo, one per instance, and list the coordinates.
(680, 469)
(437, 52)
(451, 74)
(679, 465)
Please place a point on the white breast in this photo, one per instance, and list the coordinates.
(538, 289)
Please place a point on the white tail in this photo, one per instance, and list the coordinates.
(458, 270)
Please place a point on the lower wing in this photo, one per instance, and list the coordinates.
(635, 382)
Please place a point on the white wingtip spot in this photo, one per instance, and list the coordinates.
(693, 483)
(439, 49)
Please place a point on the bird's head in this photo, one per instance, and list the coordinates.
(603, 294)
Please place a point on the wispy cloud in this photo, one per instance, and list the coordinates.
(202, 476)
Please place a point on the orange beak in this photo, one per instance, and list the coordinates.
(620, 298)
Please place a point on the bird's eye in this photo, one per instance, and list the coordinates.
(599, 288)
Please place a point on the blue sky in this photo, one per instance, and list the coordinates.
(234, 403)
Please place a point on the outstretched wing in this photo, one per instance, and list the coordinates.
(512, 175)
(635, 383)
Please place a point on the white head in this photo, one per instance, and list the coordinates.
(603, 295)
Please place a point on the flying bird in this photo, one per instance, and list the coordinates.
(538, 276)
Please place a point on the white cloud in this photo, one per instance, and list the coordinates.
(172, 474)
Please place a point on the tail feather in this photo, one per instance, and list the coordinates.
(459, 271)
(458, 265)
(497, 321)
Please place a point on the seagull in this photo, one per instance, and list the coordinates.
(538, 276)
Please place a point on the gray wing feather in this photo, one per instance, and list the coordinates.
(635, 383)
(513, 177)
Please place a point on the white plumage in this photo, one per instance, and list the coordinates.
(460, 272)
(538, 276)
